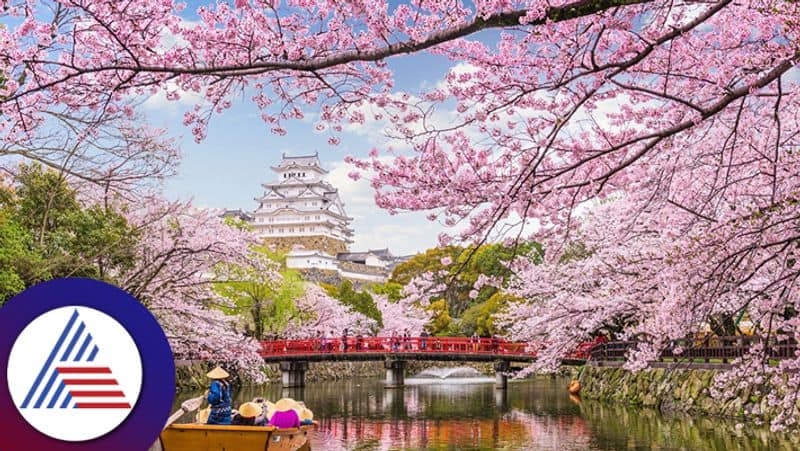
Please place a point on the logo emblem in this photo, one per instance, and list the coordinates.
(87, 367)
(81, 390)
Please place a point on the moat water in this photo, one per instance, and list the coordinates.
(465, 412)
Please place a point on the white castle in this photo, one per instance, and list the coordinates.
(301, 204)
(302, 214)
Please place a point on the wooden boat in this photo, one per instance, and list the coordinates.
(204, 437)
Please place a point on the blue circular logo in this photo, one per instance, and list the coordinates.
(87, 367)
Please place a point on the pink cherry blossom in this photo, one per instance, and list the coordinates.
(660, 136)
(401, 316)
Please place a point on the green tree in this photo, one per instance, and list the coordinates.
(441, 322)
(47, 233)
(267, 304)
(45, 203)
(465, 267)
(16, 257)
(359, 301)
(429, 261)
(480, 318)
(392, 290)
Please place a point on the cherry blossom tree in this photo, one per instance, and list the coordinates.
(617, 285)
(405, 314)
(180, 247)
(110, 149)
(319, 312)
(638, 280)
(686, 112)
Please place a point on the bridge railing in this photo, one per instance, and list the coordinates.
(459, 345)
(707, 349)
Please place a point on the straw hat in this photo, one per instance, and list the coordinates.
(202, 415)
(250, 410)
(284, 405)
(218, 373)
(306, 414)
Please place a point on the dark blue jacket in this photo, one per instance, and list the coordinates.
(219, 398)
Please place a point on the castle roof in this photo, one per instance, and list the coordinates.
(383, 254)
(300, 161)
(325, 211)
(239, 214)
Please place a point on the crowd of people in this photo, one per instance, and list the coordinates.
(330, 341)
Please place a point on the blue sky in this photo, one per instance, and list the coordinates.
(227, 168)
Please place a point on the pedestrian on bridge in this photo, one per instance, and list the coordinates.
(496, 343)
(324, 342)
(423, 340)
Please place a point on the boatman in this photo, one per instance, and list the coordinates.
(219, 397)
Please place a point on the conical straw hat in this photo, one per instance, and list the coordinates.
(218, 373)
(286, 404)
(250, 410)
(306, 414)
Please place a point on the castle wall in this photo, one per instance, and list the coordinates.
(311, 242)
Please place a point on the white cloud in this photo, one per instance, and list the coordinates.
(357, 195)
(171, 40)
(160, 102)
(409, 234)
(403, 233)
(457, 70)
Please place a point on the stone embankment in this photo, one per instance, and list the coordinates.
(675, 390)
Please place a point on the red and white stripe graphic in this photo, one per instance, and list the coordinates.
(93, 387)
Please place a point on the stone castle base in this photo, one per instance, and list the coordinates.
(316, 242)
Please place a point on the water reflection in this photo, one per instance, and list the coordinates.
(531, 415)
(618, 428)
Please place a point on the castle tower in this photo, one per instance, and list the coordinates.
(299, 208)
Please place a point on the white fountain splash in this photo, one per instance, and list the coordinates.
(456, 375)
(444, 373)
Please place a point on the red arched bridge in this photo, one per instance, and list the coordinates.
(295, 355)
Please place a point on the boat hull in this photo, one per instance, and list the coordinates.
(203, 437)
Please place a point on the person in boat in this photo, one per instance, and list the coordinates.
(305, 414)
(283, 414)
(249, 414)
(219, 397)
